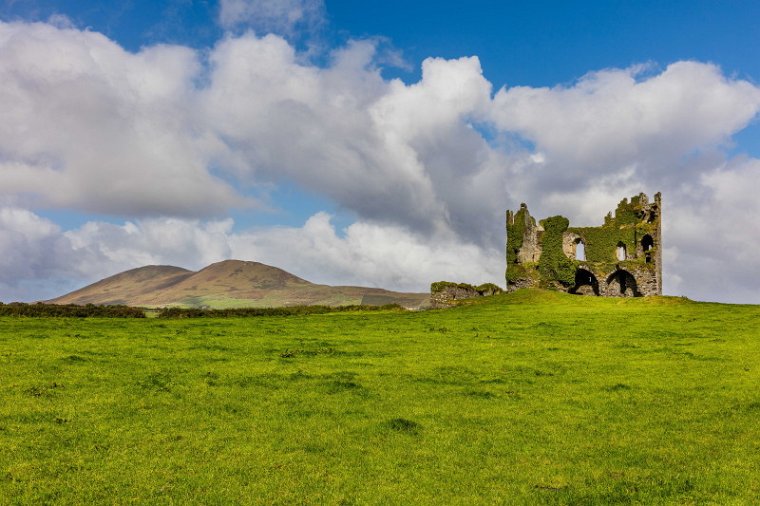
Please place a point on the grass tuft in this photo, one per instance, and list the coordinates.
(403, 425)
(617, 387)
(157, 381)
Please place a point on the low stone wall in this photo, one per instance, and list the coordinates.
(446, 293)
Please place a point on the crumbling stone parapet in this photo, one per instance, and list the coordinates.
(446, 293)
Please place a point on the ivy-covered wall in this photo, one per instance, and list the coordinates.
(516, 232)
(628, 226)
(521, 234)
(553, 264)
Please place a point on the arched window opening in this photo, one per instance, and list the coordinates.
(647, 243)
(580, 250)
(620, 252)
(652, 217)
(649, 258)
(585, 283)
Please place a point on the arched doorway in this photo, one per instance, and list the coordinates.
(585, 283)
(621, 283)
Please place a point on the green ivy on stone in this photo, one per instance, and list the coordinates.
(553, 264)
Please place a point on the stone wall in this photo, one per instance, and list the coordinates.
(445, 293)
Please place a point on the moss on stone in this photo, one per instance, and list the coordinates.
(488, 289)
(447, 293)
(515, 233)
(601, 242)
(440, 286)
(628, 213)
(553, 264)
(527, 270)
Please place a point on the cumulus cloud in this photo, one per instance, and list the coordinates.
(370, 255)
(95, 128)
(277, 16)
(382, 149)
(31, 249)
(620, 117)
(90, 126)
(25, 241)
(171, 139)
(712, 236)
(630, 127)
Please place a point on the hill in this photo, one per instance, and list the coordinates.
(230, 283)
(525, 398)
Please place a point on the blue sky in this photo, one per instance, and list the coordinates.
(538, 43)
(369, 143)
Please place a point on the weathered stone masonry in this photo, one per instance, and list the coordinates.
(446, 293)
(622, 258)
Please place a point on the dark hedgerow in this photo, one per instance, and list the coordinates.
(40, 310)
(244, 312)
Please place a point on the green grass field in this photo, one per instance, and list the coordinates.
(532, 397)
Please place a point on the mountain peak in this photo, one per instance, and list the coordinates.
(245, 275)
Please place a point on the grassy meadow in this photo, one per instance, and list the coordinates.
(531, 397)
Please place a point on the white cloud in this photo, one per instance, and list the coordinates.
(90, 126)
(382, 149)
(714, 236)
(370, 255)
(29, 248)
(276, 16)
(138, 134)
(620, 129)
(618, 117)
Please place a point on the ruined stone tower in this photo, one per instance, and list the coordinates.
(622, 258)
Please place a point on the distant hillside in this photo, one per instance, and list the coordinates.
(230, 283)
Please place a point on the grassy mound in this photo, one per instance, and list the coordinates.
(529, 397)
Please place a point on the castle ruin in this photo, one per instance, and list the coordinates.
(621, 258)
